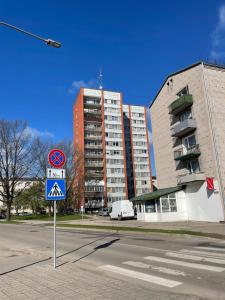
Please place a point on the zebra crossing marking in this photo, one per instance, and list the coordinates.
(196, 258)
(211, 248)
(142, 276)
(210, 254)
(185, 264)
(151, 267)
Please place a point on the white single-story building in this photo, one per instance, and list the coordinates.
(181, 203)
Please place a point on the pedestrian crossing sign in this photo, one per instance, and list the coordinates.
(55, 189)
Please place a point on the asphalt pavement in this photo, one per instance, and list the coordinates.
(101, 265)
(206, 227)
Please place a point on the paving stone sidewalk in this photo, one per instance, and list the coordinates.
(70, 281)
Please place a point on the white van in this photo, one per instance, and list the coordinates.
(121, 210)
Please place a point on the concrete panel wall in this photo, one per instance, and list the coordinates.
(164, 147)
(215, 91)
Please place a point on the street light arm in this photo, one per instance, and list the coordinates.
(49, 42)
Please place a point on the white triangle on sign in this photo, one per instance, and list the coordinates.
(55, 191)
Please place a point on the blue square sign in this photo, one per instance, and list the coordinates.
(55, 189)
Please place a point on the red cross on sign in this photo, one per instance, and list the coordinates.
(56, 158)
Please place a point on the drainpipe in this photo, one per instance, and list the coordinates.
(214, 142)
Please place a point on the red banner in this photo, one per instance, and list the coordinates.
(210, 183)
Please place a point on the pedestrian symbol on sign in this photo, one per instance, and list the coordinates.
(55, 191)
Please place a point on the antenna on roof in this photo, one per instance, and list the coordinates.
(100, 79)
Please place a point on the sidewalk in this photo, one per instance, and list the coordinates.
(207, 227)
(74, 281)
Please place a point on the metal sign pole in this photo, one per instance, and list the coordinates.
(55, 186)
(54, 235)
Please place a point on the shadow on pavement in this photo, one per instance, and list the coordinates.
(23, 267)
(97, 248)
(69, 252)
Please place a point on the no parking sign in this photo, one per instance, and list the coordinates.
(56, 158)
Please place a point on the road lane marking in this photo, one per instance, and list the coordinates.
(139, 246)
(151, 267)
(211, 248)
(205, 253)
(142, 276)
(196, 258)
(185, 264)
(136, 264)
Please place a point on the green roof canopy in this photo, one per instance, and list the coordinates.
(157, 194)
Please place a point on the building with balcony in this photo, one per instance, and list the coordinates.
(112, 142)
(188, 130)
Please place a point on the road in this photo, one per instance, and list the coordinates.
(116, 266)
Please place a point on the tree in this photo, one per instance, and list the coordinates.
(32, 198)
(74, 166)
(15, 160)
(41, 149)
(74, 175)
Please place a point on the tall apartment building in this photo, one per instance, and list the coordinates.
(101, 140)
(137, 150)
(188, 124)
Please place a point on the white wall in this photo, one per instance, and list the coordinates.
(203, 205)
(195, 203)
(180, 215)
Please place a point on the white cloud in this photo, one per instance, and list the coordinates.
(77, 84)
(218, 36)
(33, 132)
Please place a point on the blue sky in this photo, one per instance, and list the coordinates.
(136, 43)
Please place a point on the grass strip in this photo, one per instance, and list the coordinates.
(145, 230)
(50, 218)
(10, 222)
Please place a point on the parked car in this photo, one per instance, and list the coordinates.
(122, 209)
(103, 212)
(24, 214)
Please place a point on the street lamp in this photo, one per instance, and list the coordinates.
(48, 42)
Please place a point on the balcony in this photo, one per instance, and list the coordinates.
(94, 174)
(94, 192)
(93, 111)
(93, 104)
(185, 154)
(183, 128)
(92, 128)
(93, 118)
(93, 155)
(190, 177)
(92, 203)
(93, 146)
(98, 164)
(93, 137)
(180, 104)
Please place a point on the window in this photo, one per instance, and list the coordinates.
(193, 166)
(165, 205)
(186, 115)
(150, 206)
(183, 92)
(189, 141)
(173, 205)
(168, 203)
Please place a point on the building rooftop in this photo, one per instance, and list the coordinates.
(158, 193)
(212, 65)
